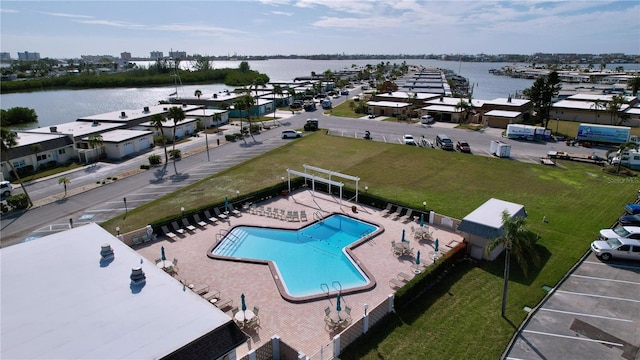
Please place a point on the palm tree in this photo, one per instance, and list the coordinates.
(95, 140)
(634, 83)
(157, 121)
(465, 108)
(176, 114)
(598, 105)
(277, 90)
(197, 93)
(8, 140)
(614, 106)
(518, 240)
(64, 181)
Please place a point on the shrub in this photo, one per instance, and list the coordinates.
(18, 201)
(238, 135)
(175, 154)
(230, 137)
(145, 166)
(155, 159)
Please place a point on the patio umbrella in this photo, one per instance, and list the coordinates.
(164, 257)
(244, 305)
(418, 258)
(338, 307)
(403, 240)
(421, 220)
(435, 247)
(226, 203)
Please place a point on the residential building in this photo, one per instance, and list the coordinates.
(28, 56)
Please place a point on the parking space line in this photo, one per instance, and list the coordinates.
(612, 265)
(572, 337)
(129, 201)
(598, 296)
(588, 315)
(607, 280)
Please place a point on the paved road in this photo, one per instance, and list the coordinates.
(102, 202)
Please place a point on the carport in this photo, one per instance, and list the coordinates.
(485, 224)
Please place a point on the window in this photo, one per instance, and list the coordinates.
(19, 163)
(624, 248)
(636, 249)
(41, 157)
(61, 151)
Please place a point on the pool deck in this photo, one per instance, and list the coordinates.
(301, 325)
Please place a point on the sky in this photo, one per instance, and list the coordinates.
(69, 29)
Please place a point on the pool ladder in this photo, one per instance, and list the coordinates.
(365, 235)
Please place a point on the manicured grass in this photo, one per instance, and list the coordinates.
(54, 171)
(460, 318)
(344, 110)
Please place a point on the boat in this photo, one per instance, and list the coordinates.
(630, 159)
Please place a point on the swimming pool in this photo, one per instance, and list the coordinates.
(304, 259)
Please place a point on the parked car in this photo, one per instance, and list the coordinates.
(620, 231)
(463, 146)
(289, 133)
(344, 92)
(5, 188)
(427, 119)
(622, 248)
(444, 142)
(408, 140)
(630, 220)
(632, 208)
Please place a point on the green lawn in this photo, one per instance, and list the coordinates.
(461, 317)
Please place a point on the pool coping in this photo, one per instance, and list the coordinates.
(275, 274)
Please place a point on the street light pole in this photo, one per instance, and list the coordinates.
(125, 206)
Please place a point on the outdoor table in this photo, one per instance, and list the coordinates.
(244, 316)
(165, 264)
(338, 316)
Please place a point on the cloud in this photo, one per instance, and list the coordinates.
(281, 13)
(69, 15)
(8, 11)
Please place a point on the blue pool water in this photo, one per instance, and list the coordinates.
(305, 258)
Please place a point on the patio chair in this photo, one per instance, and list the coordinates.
(267, 212)
(136, 240)
(289, 215)
(406, 216)
(397, 250)
(234, 311)
(281, 215)
(296, 217)
(158, 260)
(256, 310)
(211, 218)
(254, 323)
(397, 213)
(175, 265)
(303, 216)
(347, 309)
(212, 295)
(396, 283)
(260, 211)
(202, 289)
(199, 221)
(387, 210)
(223, 303)
(327, 311)
(246, 206)
(145, 237)
(177, 227)
(330, 324)
(253, 209)
(219, 214)
(165, 230)
(234, 211)
(188, 225)
(404, 277)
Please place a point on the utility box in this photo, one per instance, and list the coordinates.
(500, 149)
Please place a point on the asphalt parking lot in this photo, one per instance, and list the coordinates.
(593, 314)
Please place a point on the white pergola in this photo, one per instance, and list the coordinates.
(328, 181)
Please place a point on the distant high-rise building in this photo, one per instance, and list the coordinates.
(155, 55)
(5, 56)
(28, 56)
(178, 54)
(125, 55)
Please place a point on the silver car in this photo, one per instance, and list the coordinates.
(290, 133)
(618, 248)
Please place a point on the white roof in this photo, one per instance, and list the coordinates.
(503, 113)
(583, 105)
(594, 97)
(28, 138)
(116, 116)
(79, 128)
(61, 302)
(442, 108)
(393, 104)
(169, 123)
(204, 112)
(486, 220)
(505, 101)
(120, 135)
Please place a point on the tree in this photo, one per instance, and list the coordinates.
(17, 115)
(634, 83)
(518, 240)
(95, 140)
(64, 181)
(541, 94)
(35, 149)
(197, 93)
(244, 67)
(277, 91)
(465, 108)
(598, 105)
(157, 121)
(176, 114)
(8, 139)
(614, 108)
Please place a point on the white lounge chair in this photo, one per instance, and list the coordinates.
(396, 283)
(397, 213)
(146, 238)
(177, 227)
(303, 216)
(219, 214)
(136, 240)
(406, 216)
(387, 211)
(211, 218)
(295, 216)
(198, 221)
(165, 230)
(187, 225)
(267, 212)
(404, 277)
(234, 211)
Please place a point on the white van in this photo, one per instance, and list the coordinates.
(427, 119)
(5, 188)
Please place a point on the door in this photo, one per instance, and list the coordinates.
(143, 144)
(128, 149)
